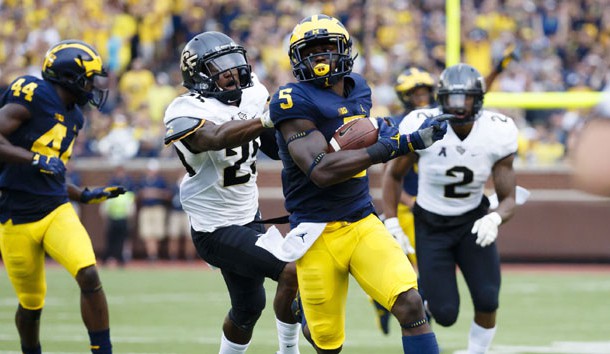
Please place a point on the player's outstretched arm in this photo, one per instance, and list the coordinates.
(391, 144)
(95, 195)
(215, 137)
(510, 53)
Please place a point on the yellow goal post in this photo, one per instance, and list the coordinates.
(527, 100)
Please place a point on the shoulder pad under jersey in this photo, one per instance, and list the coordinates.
(181, 127)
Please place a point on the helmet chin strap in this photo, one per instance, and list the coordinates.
(229, 97)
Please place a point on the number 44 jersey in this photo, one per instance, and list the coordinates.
(453, 172)
(27, 194)
(219, 188)
(50, 131)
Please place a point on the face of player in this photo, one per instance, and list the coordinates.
(420, 97)
(226, 68)
(320, 57)
(228, 80)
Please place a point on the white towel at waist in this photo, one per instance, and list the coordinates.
(296, 242)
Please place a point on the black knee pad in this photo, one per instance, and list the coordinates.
(444, 315)
(487, 300)
(245, 320)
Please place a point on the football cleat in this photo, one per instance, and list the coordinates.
(383, 317)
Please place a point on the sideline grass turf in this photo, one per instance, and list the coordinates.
(180, 310)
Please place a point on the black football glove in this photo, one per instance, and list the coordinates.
(431, 130)
(48, 164)
(390, 143)
(98, 195)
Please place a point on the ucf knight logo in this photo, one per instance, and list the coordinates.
(188, 62)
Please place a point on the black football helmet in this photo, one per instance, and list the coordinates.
(315, 30)
(408, 81)
(209, 55)
(77, 67)
(455, 84)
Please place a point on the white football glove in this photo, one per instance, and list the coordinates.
(266, 120)
(399, 235)
(486, 229)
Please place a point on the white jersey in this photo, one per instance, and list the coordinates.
(453, 172)
(220, 188)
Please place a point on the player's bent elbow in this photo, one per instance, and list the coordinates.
(319, 180)
(322, 179)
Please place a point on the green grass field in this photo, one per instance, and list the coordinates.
(180, 309)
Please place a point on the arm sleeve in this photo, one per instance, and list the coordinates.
(269, 144)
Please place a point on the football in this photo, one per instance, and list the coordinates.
(355, 134)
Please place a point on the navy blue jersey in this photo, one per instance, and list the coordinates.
(409, 182)
(27, 193)
(306, 202)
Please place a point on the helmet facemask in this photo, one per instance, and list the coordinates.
(338, 63)
(459, 104)
(88, 87)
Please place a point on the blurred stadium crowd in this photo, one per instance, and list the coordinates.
(563, 45)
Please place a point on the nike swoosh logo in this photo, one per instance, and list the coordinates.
(290, 345)
(343, 132)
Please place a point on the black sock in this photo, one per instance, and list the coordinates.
(100, 342)
(36, 350)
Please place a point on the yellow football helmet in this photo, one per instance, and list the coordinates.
(77, 67)
(316, 30)
(409, 80)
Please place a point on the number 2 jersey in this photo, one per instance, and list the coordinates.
(219, 188)
(28, 194)
(453, 172)
(346, 201)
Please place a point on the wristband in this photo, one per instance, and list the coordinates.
(378, 152)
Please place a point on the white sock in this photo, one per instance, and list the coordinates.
(288, 336)
(479, 339)
(228, 347)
